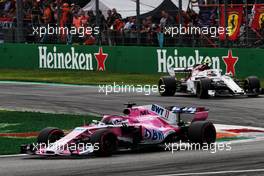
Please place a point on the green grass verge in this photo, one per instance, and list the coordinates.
(19, 122)
(9, 146)
(76, 77)
(79, 77)
(226, 139)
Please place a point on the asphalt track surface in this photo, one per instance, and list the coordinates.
(243, 159)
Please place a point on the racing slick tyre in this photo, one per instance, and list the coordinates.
(49, 135)
(252, 86)
(169, 86)
(202, 87)
(107, 142)
(202, 132)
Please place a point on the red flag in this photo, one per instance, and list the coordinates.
(258, 17)
(234, 18)
(6, 19)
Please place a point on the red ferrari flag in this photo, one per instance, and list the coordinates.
(234, 18)
(257, 22)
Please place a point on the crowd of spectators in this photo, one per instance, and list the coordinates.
(114, 29)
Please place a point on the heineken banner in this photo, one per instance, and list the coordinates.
(151, 60)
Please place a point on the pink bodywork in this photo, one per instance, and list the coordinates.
(154, 127)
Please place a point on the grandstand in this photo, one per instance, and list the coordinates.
(133, 22)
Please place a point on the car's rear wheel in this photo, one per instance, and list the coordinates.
(106, 141)
(252, 86)
(49, 135)
(202, 132)
(202, 87)
(167, 86)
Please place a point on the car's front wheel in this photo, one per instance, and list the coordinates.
(49, 135)
(252, 86)
(202, 87)
(167, 86)
(106, 141)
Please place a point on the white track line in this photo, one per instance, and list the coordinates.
(216, 172)
(45, 83)
(9, 156)
(223, 127)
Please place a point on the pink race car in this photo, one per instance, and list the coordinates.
(140, 126)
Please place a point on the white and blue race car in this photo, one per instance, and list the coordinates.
(205, 82)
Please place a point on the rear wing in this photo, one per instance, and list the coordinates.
(164, 113)
(172, 115)
(200, 113)
(183, 70)
(173, 71)
(188, 110)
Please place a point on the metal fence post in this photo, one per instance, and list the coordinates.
(226, 21)
(97, 21)
(138, 21)
(247, 23)
(19, 21)
(180, 20)
(219, 18)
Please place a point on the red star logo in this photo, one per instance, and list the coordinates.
(230, 62)
(101, 58)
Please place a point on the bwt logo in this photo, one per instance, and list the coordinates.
(157, 109)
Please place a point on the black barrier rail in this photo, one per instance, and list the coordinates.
(248, 38)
